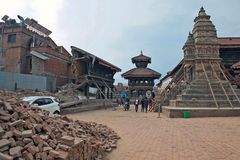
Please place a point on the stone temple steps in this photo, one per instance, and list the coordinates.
(206, 97)
(202, 88)
(198, 94)
(203, 103)
(208, 91)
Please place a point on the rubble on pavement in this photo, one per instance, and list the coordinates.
(69, 93)
(31, 133)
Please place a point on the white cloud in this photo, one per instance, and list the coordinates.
(45, 12)
(117, 30)
(95, 25)
(12, 8)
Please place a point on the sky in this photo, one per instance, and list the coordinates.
(117, 30)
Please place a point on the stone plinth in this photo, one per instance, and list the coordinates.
(177, 112)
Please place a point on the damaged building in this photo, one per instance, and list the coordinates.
(94, 83)
(94, 76)
(26, 48)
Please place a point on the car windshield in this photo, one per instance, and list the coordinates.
(43, 101)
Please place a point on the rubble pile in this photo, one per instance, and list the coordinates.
(24, 93)
(69, 93)
(31, 133)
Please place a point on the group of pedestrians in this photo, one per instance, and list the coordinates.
(145, 103)
(142, 101)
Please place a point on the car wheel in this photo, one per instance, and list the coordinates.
(56, 112)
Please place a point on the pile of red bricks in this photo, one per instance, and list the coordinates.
(30, 133)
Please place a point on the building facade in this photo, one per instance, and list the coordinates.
(26, 48)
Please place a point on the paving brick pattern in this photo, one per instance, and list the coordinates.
(146, 137)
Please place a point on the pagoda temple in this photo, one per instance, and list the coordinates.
(141, 78)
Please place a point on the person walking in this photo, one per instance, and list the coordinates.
(150, 103)
(136, 104)
(119, 101)
(142, 104)
(122, 101)
(128, 103)
(145, 104)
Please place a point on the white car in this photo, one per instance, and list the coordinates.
(44, 102)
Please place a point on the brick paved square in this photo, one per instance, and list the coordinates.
(146, 137)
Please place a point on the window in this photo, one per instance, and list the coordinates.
(43, 101)
(12, 38)
(39, 101)
(48, 101)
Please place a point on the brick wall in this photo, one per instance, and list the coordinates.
(17, 57)
(57, 64)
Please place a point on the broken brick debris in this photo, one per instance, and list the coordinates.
(30, 133)
(67, 140)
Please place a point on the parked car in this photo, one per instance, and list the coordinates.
(48, 103)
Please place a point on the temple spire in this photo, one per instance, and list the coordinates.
(141, 60)
(202, 12)
(202, 15)
(204, 29)
(189, 41)
(202, 9)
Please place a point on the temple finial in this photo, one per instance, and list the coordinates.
(141, 52)
(202, 11)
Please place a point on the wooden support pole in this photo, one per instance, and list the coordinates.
(209, 84)
(229, 83)
(221, 85)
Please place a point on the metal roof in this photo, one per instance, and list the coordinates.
(39, 55)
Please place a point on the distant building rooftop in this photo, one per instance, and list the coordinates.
(229, 42)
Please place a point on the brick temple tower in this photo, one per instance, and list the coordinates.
(208, 92)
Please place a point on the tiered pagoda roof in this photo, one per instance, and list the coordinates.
(141, 58)
(141, 61)
(141, 72)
